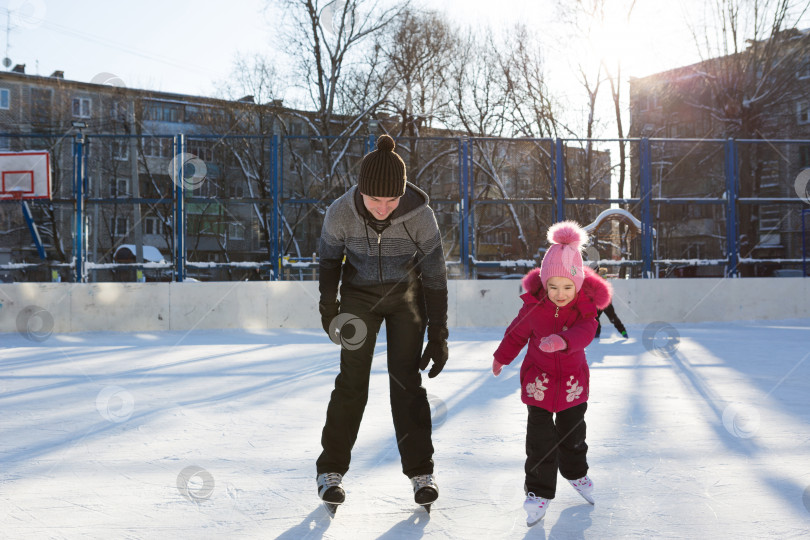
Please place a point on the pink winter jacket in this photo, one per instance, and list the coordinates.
(559, 380)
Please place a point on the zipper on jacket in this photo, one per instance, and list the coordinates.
(379, 256)
(556, 354)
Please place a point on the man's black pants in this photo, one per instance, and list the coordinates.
(402, 309)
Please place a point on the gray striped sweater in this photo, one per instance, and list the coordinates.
(409, 246)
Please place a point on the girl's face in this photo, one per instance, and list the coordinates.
(561, 290)
(380, 207)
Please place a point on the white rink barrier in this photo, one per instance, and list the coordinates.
(136, 307)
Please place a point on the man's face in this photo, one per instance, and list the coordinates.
(380, 207)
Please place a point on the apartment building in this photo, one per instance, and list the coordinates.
(760, 98)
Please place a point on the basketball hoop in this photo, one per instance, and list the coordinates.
(25, 175)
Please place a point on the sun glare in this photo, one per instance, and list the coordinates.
(611, 42)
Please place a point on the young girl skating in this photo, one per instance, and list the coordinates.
(558, 320)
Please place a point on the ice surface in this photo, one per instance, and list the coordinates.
(695, 431)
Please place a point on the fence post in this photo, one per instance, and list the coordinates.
(559, 180)
(78, 209)
(275, 231)
(805, 212)
(179, 217)
(464, 198)
(646, 212)
(732, 180)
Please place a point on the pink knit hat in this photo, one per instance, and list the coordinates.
(563, 258)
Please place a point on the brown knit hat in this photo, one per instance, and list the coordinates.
(382, 172)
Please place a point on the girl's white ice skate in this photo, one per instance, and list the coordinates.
(535, 508)
(584, 487)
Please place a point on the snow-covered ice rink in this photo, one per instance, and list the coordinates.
(695, 431)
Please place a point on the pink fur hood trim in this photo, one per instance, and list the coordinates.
(593, 286)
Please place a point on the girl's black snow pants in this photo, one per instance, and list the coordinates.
(402, 308)
(553, 443)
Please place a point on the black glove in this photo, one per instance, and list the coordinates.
(329, 310)
(435, 350)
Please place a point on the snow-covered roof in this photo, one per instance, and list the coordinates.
(150, 253)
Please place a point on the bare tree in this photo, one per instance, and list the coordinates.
(497, 91)
(255, 76)
(751, 54)
(531, 107)
(323, 38)
(416, 53)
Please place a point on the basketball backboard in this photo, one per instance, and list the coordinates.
(25, 175)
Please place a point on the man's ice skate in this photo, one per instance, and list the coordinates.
(535, 508)
(425, 490)
(330, 490)
(584, 487)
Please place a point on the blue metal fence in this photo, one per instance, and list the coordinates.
(468, 205)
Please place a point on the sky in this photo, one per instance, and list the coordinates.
(189, 47)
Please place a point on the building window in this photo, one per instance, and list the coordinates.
(120, 150)
(120, 226)
(119, 111)
(4, 98)
(236, 231)
(163, 112)
(197, 114)
(119, 187)
(648, 102)
(152, 225)
(804, 69)
(804, 156)
(802, 112)
(157, 147)
(81, 107)
(203, 149)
